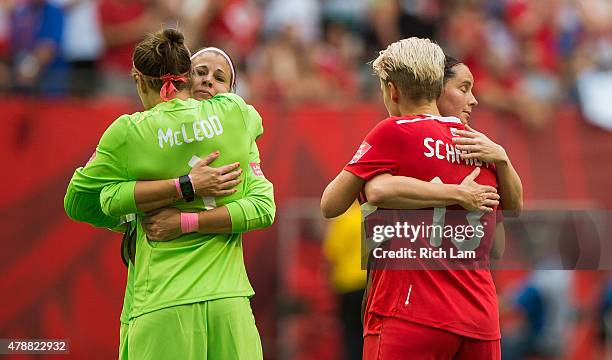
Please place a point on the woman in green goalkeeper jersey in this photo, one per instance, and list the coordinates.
(212, 73)
(189, 297)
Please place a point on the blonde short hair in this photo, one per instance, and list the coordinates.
(414, 65)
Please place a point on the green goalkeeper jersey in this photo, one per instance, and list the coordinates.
(162, 143)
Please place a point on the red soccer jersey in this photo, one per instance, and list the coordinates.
(463, 302)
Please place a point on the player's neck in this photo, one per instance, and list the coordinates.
(183, 94)
(153, 99)
(416, 108)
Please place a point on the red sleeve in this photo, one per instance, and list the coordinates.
(378, 153)
(499, 216)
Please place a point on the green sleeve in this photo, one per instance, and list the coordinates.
(106, 173)
(82, 200)
(117, 195)
(118, 199)
(83, 205)
(253, 122)
(256, 210)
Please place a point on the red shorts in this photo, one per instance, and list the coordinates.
(401, 340)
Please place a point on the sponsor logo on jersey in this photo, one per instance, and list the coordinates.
(256, 169)
(363, 148)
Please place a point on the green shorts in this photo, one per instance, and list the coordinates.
(217, 329)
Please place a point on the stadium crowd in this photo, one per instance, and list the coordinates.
(528, 57)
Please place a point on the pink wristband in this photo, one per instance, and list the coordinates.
(189, 222)
(193, 222)
(177, 185)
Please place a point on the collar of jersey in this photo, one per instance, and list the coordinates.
(422, 117)
(172, 103)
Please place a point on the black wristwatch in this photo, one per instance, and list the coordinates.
(186, 188)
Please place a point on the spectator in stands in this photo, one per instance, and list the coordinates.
(5, 74)
(538, 88)
(299, 18)
(352, 14)
(334, 61)
(604, 316)
(232, 24)
(543, 306)
(591, 63)
(283, 70)
(124, 23)
(36, 34)
(527, 57)
(82, 44)
(398, 19)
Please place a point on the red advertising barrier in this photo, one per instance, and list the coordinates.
(64, 280)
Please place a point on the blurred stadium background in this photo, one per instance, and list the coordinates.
(543, 73)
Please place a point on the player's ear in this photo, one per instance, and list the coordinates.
(393, 92)
(141, 84)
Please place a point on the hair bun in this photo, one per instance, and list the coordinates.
(160, 53)
(174, 37)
